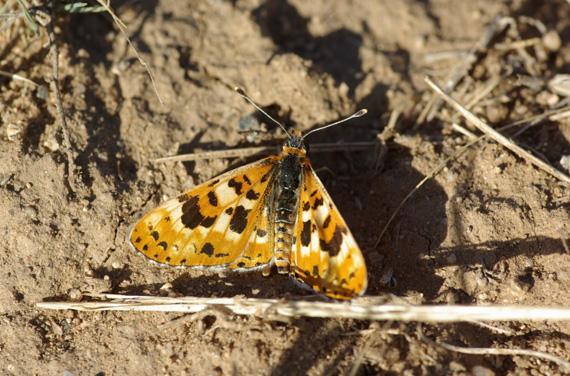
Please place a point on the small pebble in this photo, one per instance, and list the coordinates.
(451, 259)
(14, 132)
(75, 295)
(51, 144)
(551, 41)
(482, 371)
(42, 92)
(31, 211)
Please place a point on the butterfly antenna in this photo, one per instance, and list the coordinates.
(241, 92)
(355, 115)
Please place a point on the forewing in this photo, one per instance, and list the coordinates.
(212, 224)
(325, 255)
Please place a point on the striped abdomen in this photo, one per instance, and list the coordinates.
(285, 208)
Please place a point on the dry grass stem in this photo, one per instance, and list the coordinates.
(565, 366)
(122, 27)
(54, 84)
(263, 150)
(496, 27)
(485, 128)
(363, 308)
(17, 77)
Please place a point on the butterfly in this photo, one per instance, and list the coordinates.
(271, 212)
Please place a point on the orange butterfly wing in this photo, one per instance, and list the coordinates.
(222, 222)
(324, 253)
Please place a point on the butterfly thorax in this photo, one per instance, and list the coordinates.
(286, 200)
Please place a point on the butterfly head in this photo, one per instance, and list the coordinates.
(295, 141)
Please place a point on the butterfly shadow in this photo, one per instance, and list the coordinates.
(336, 53)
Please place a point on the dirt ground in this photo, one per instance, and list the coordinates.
(489, 228)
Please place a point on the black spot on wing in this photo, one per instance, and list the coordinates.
(236, 185)
(261, 233)
(167, 259)
(154, 235)
(213, 182)
(314, 193)
(208, 249)
(191, 216)
(306, 206)
(241, 264)
(306, 233)
(332, 247)
(246, 179)
(208, 221)
(213, 198)
(183, 197)
(318, 202)
(164, 245)
(315, 271)
(229, 211)
(138, 240)
(327, 221)
(238, 222)
(265, 177)
(220, 255)
(167, 218)
(252, 195)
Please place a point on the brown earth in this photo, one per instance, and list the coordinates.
(487, 229)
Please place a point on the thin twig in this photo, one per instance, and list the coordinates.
(560, 105)
(550, 114)
(17, 77)
(485, 128)
(263, 150)
(434, 172)
(496, 27)
(494, 351)
(360, 357)
(122, 28)
(54, 84)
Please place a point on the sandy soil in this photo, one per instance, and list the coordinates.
(487, 229)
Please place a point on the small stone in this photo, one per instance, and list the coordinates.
(482, 371)
(451, 259)
(520, 286)
(42, 92)
(386, 276)
(551, 41)
(31, 211)
(75, 295)
(82, 53)
(565, 162)
(51, 144)
(15, 132)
